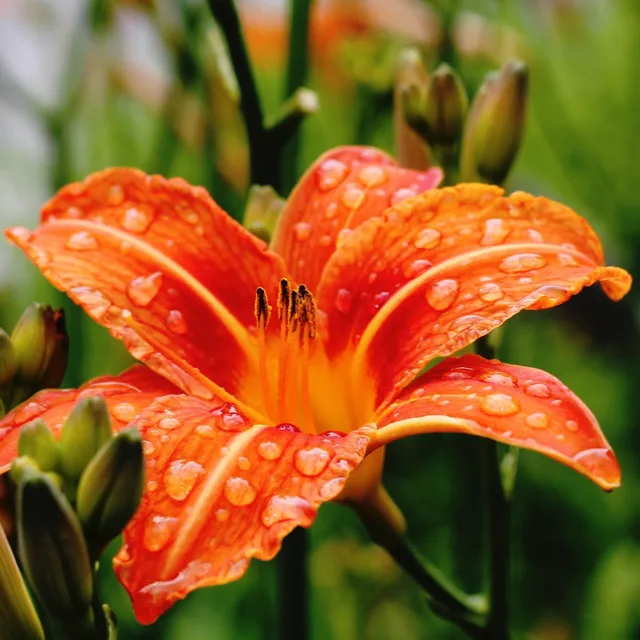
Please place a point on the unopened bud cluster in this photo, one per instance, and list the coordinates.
(73, 497)
(34, 357)
(477, 141)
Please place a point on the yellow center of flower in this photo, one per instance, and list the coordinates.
(297, 316)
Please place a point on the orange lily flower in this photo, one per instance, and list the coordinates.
(371, 274)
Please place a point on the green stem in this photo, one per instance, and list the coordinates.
(296, 76)
(293, 608)
(226, 15)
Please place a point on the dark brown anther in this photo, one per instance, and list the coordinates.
(261, 309)
(284, 300)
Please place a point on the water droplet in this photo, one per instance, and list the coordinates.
(180, 478)
(494, 232)
(442, 294)
(205, 430)
(239, 492)
(244, 463)
(522, 262)
(269, 450)
(221, 515)
(343, 234)
(332, 489)
(282, 508)
(417, 393)
(115, 195)
(94, 301)
(459, 373)
(331, 173)
(169, 424)
(594, 458)
(124, 411)
(343, 301)
(325, 240)
(148, 447)
(82, 241)
(176, 323)
(551, 295)
(311, 462)
(135, 220)
(372, 176)
(158, 532)
(232, 421)
(498, 377)
(537, 420)
(353, 196)
(302, 231)
(427, 239)
(571, 425)
(192, 217)
(331, 211)
(416, 268)
(287, 427)
(499, 404)
(490, 292)
(538, 390)
(152, 485)
(567, 260)
(402, 194)
(535, 235)
(143, 289)
(372, 277)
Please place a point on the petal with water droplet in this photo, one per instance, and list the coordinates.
(222, 497)
(493, 400)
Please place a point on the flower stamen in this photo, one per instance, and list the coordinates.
(262, 312)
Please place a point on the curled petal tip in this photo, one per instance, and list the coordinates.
(600, 466)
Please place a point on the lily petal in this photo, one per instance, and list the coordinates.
(161, 253)
(126, 395)
(517, 405)
(343, 188)
(219, 492)
(448, 267)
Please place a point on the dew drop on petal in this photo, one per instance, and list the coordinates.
(244, 463)
(353, 196)
(459, 373)
(571, 425)
(551, 295)
(233, 421)
(567, 260)
(287, 427)
(499, 404)
(148, 447)
(282, 508)
(158, 532)
(537, 420)
(498, 377)
(124, 411)
(115, 195)
(490, 292)
(593, 459)
(325, 240)
(538, 390)
(239, 492)
(427, 239)
(136, 220)
(176, 323)
(331, 173)
(180, 478)
(343, 300)
(331, 211)
(494, 232)
(221, 515)
(534, 235)
(143, 289)
(416, 268)
(311, 462)
(93, 300)
(442, 294)
(520, 262)
(82, 241)
(269, 450)
(402, 194)
(168, 424)
(372, 176)
(302, 231)
(332, 488)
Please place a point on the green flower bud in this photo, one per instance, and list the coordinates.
(8, 362)
(445, 106)
(85, 430)
(22, 467)
(41, 347)
(18, 617)
(110, 488)
(263, 208)
(495, 125)
(37, 442)
(53, 551)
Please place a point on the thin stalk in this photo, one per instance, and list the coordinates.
(293, 587)
(296, 76)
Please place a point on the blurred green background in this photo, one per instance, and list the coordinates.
(86, 85)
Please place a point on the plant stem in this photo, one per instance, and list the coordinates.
(293, 613)
(226, 15)
(296, 76)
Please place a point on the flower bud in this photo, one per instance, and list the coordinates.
(495, 125)
(18, 617)
(37, 442)
(52, 550)
(263, 208)
(85, 430)
(41, 347)
(445, 106)
(8, 363)
(110, 488)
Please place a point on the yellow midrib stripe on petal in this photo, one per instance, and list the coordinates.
(211, 487)
(358, 364)
(234, 327)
